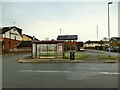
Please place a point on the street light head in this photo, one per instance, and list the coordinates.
(110, 2)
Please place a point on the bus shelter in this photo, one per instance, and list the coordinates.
(47, 49)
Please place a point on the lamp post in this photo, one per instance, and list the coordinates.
(109, 26)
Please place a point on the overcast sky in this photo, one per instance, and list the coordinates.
(45, 19)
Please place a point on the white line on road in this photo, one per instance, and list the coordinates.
(112, 73)
(44, 71)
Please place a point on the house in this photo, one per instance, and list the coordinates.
(70, 42)
(26, 42)
(94, 45)
(114, 41)
(79, 45)
(26, 37)
(10, 37)
(25, 45)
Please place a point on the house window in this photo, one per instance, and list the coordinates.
(111, 42)
(3, 47)
(15, 37)
(14, 29)
(118, 41)
(4, 36)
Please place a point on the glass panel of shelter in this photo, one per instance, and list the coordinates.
(43, 50)
(51, 50)
(47, 50)
(34, 51)
(59, 50)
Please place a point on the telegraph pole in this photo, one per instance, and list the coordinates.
(60, 31)
(13, 23)
(97, 36)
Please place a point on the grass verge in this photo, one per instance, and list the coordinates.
(107, 57)
(49, 61)
(78, 55)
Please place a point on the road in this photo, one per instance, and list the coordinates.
(57, 75)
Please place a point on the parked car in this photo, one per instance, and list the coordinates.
(114, 49)
(111, 49)
(117, 49)
(82, 49)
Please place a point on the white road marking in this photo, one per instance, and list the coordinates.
(112, 73)
(44, 71)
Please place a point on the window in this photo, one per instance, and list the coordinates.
(15, 37)
(118, 41)
(14, 29)
(3, 46)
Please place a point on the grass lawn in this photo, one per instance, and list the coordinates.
(78, 55)
(107, 57)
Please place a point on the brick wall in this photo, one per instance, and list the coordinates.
(10, 44)
(25, 48)
(114, 43)
(70, 46)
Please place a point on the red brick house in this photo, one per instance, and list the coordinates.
(114, 41)
(70, 42)
(11, 37)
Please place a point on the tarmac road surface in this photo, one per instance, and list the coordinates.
(57, 75)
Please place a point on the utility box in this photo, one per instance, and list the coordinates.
(72, 55)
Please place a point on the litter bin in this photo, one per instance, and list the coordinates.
(72, 55)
